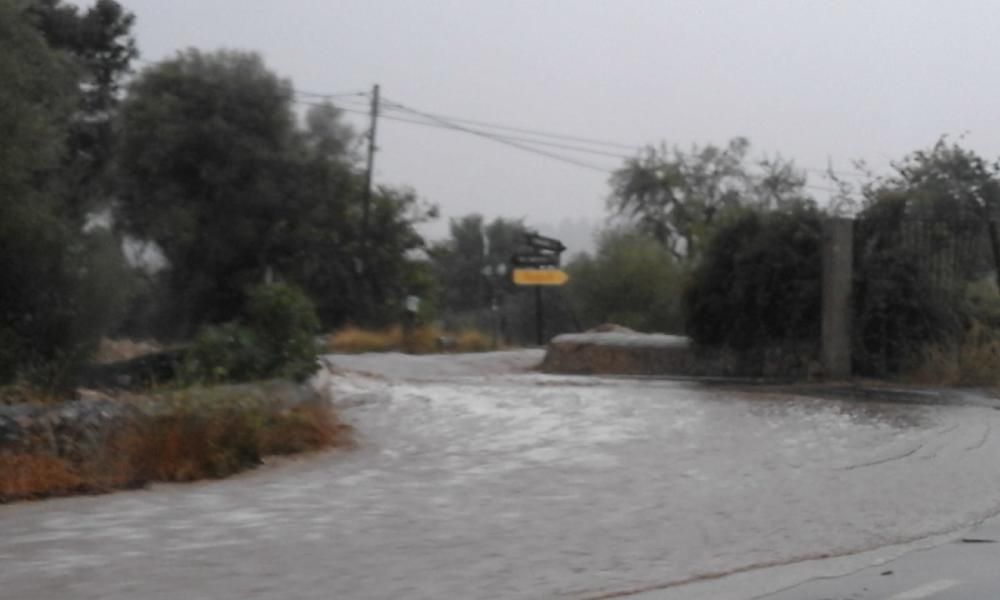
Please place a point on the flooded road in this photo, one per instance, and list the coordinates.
(474, 479)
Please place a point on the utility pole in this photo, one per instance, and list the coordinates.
(366, 198)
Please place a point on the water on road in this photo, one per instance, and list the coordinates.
(475, 479)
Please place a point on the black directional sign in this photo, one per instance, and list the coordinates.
(547, 244)
(535, 260)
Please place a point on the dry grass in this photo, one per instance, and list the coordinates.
(975, 361)
(472, 340)
(420, 340)
(186, 443)
(34, 476)
(353, 339)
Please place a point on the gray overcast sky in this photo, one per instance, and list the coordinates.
(870, 79)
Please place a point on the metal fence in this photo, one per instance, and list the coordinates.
(948, 252)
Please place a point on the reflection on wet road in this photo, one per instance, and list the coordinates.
(470, 483)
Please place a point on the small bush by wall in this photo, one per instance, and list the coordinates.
(274, 338)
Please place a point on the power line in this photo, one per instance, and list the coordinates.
(450, 122)
(534, 132)
(509, 139)
(321, 95)
(512, 138)
(496, 138)
(522, 130)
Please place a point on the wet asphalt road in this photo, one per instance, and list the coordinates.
(476, 479)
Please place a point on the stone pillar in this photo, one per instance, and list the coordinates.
(838, 262)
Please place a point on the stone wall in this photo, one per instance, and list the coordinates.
(619, 353)
(80, 426)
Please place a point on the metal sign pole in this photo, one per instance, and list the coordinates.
(539, 316)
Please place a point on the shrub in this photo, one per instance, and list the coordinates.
(897, 312)
(632, 280)
(285, 320)
(759, 284)
(275, 338)
(898, 308)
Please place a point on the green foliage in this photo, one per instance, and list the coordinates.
(35, 103)
(285, 319)
(208, 192)
(679, 198)
(632, 281)
(759, 282)
(275, 338)
(99, 41)
(233, 189)
(898, 308)
(953, 188)
(62, 288)
(472, 245)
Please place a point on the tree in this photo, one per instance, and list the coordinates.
(950, 186)
(101, 44)
(53, 304)
(234, 191)
(327, 136)
(678, 198)
(632, 280)
(473, 245)
(210, 192)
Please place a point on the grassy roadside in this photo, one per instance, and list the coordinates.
(186, 435)
(421, 340)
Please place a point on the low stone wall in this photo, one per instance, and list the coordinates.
(619, 353)
(80, 426)
(624, 352)
(65, 428)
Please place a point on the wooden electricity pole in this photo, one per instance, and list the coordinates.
(366, 198)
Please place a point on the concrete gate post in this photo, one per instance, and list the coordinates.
(838, 262)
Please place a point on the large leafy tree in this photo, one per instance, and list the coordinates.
(99, 40)
(53, 297)
(205, 163)
(679, 198)
(217, 172)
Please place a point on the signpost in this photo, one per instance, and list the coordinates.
(535, 260)
(540, 267)
(540, 277)
(547, 244)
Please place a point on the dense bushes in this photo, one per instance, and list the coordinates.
(632, 280)
(757, 293)
(759, 283)
(273, 338)
(897, 310)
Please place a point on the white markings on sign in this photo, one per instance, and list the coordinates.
(926, 590)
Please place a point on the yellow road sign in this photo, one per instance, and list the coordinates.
(540, 277)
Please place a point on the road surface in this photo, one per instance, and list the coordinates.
(475, 478)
